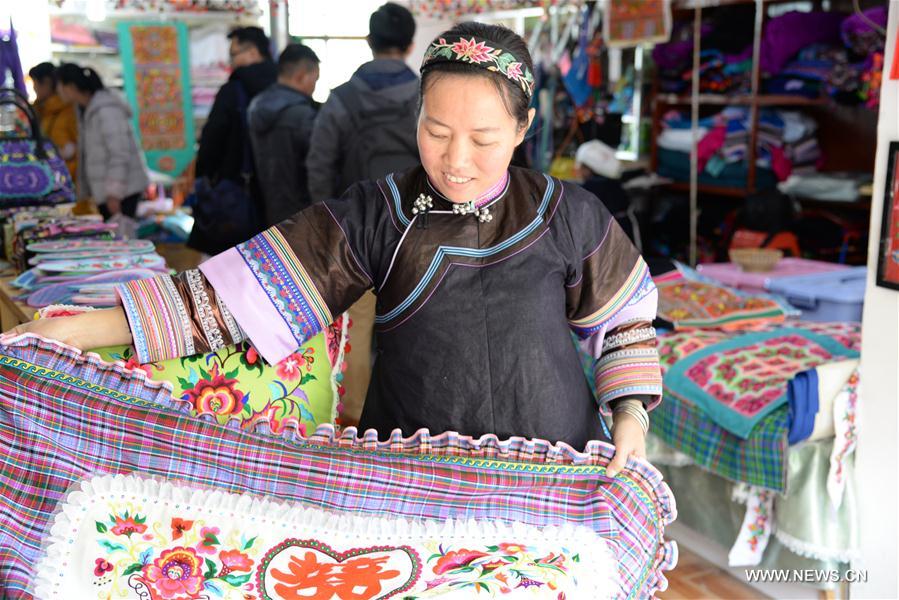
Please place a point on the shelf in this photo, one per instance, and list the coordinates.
(91, 50)
(710, 189)
(741, 99)
(691, 4)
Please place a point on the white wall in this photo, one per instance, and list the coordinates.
(876, 460)
(426, 29)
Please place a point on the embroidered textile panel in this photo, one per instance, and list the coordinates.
(736, 382)
(121, 536)
(65, 417)
(693, 304)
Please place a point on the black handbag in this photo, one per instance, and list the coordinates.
(225, 214)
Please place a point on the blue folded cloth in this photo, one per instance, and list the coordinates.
(802, 399)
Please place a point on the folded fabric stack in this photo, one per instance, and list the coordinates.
(809, 54)
(786, 144)
(839, 59)
(28, 229)
(85, 271)
(741, 383)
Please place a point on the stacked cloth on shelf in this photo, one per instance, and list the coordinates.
(809, 54)
(111, 489)
(730, 408)
(741, 383)
(84, 270)
(787, 143)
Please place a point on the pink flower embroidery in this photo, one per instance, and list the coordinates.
(102, 566)
(175, 574)
(209, 540)
(456, 559)
(476, 52)
(216, 395)
(252, 355)
(289, 368)
(234, 560)
(514, 71)
(133, 364)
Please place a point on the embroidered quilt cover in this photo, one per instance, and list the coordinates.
(71, 423)
(736, 381)
(692, 304)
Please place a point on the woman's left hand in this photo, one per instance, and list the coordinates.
(629, 440)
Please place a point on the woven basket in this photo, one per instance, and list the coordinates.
(756, 260)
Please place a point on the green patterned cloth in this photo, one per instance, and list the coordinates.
(235, 384)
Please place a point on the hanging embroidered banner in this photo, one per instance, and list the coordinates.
(635, 22)
(155, 60)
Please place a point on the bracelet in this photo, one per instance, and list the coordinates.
(635, 409)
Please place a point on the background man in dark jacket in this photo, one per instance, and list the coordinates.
(222, 141)
(366, 129)
(280, 121)
(224, 137)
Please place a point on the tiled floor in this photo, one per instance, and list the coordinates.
(696, 579)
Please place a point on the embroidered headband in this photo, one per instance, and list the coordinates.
(481, 53)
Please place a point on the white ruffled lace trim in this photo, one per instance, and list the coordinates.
(814, 551)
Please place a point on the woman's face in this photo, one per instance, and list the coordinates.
(465, 136)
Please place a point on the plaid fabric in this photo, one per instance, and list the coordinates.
(64, 417)
(759, 460)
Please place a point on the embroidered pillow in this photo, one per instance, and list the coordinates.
(66, 418)
(235, 385)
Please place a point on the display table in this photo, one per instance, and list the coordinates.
(12, 313)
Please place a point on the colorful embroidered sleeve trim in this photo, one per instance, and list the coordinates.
(288, 285)
(159, 321)
(633, 372)
(234, 330)
(251, 308)
(626, 338)
(637, 286)
(204, 310)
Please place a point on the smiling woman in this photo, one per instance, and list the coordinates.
(482, 272)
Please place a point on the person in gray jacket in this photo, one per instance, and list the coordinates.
(280, 121)
(111, 167)
(366, 129)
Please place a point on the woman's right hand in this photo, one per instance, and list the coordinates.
(89, 330)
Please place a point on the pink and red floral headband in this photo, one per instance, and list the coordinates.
(481, 53)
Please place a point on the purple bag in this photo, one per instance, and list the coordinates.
(31, 170)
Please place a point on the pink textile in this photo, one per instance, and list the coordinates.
(780, 164)
(235, 283)
(710, 144)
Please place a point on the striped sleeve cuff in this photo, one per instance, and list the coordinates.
(160, 324)
(171, 317)
(628, 373)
